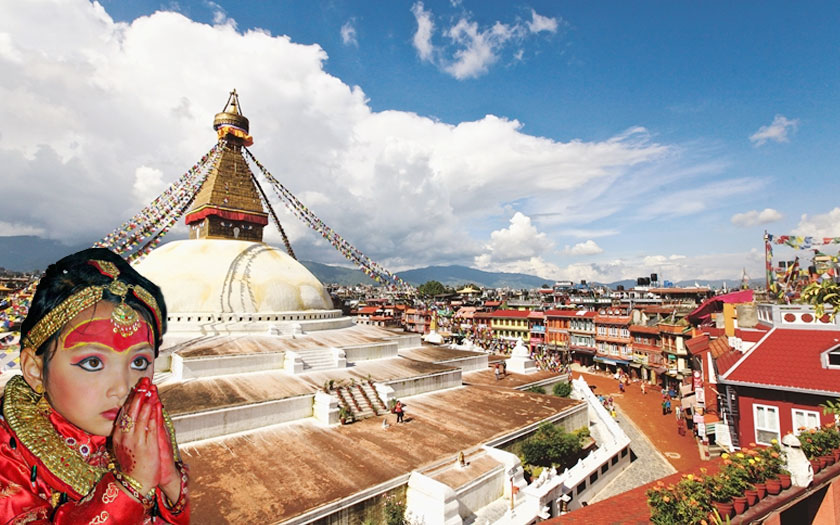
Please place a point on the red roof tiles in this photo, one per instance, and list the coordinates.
(790, 358)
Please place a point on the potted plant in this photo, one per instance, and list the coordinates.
(344, 415)
(686, 502)
(721, 489)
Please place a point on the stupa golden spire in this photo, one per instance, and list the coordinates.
(228, 206)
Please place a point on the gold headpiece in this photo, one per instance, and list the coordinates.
(125, 319)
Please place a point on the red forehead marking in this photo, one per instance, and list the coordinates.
(100, 331)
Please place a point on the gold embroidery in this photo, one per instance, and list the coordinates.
(102, 518)
(29, 517)
(110, 493)
(37, 434)
(10, 490)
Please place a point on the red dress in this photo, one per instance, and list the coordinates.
(53, 472)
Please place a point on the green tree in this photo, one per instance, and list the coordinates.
(536, 389)
(562, 389)
(821, 294)
(551, 446)
(431, 289)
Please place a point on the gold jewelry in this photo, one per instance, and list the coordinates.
(44, 404)
(125, 319)
(34, 431)
(39, 389)
(126, 423)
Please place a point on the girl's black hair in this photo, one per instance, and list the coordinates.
(74, 273)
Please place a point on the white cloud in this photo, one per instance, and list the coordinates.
(473, 49)
(673, 268)
(148, 184)
(821, 225)
(589, 247)
(9, 229)
(542, 23)
(348, 33)
(776, 131)
(106, 114)
(520, 241)
(220, 16)
(423, 36)
(581, 232)
(755, 217)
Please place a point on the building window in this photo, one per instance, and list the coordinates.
(766, 422)
(804, 420)
(593, 478)
(581, 487)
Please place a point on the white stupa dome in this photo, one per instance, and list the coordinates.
(220, 276)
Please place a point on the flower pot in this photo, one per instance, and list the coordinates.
(823, 462)
(740, 504)
(836, 453)
(815, 464)
(726, 510)
(829, 459)
(761, 488)
(785, 479)
(774, 486)
(752, 496)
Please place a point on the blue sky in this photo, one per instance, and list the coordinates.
(574, 140)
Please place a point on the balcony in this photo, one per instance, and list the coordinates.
(796, 316)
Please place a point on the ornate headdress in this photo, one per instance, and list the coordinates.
(125, 319)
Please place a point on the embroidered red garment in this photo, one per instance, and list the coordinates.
(28, 498)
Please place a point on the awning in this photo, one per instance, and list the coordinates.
(611, 361)
(583, 351)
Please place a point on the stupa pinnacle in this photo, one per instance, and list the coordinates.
(228, 206)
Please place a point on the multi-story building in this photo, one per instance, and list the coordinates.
(673, 335)
(417, 320)
(647, 351)
(582, 336)
(777, 385)
(536, 330)
(510, 325)
(612, 339)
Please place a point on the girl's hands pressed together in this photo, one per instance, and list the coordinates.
(135, 437)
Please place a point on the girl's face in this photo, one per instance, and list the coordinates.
(93, 368)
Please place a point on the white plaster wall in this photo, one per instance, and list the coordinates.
(468, 364)
(366, 352)
(213, 423)
(222, 365)
(408, 341)
(430, 502)
(481, 492)
(419, 385)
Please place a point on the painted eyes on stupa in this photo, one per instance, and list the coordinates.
(94, 364)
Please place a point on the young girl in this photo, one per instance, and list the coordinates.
(84, 438)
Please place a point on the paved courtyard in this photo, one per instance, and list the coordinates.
(646, 413)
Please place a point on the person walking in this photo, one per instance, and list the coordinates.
(497, 371)
(399, 410)
(643, 387)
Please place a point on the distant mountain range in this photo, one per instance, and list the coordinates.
(25, 253)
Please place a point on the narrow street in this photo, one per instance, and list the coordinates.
(646, 413)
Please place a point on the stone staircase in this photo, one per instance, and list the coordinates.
(317, 359)
(361, 400)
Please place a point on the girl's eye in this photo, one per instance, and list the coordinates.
(91, 364)
(140, 363)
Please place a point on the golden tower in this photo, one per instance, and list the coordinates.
(228, 205)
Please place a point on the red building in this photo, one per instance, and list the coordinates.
(776, 386)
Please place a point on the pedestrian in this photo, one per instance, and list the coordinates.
(504, 368)
(643, 387)
(497, 371)
(663, 407)
(621, 386)
(399, 410)
(668, 406)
